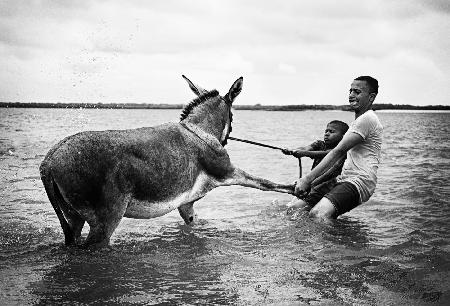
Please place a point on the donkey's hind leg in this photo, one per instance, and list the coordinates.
(105, 221)
(76, 223)
(71, 222)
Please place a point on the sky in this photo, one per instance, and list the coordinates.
(288, 52)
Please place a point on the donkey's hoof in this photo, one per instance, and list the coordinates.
(192, 220)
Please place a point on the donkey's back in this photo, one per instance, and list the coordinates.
(154, 163)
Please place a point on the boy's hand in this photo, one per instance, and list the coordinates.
(287, 152)
(298, 153)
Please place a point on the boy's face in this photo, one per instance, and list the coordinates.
(332, 135)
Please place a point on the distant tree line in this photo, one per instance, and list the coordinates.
(300, 107)
(410, 107)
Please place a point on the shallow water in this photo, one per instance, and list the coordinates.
(247, 249)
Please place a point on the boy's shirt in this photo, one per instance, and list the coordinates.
(319, 145)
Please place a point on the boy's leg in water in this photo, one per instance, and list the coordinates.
(298, 203)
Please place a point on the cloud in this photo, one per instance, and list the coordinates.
(286, 50)
(440, 6)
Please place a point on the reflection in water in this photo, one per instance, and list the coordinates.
(173, 267)
(348, 269)
(348, 232)
(351, 284)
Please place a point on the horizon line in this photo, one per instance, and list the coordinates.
(257, 106)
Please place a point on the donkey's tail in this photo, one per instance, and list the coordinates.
(56, 199)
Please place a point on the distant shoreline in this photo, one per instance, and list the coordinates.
(301, 107)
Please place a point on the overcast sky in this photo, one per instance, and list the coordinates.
(289, 52)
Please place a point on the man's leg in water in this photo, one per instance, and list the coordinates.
(324, 210)
(341, 199)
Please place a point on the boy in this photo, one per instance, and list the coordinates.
(317, 150)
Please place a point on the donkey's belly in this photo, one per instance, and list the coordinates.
(147, 209)
(140, 209)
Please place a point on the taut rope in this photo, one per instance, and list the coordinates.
(256, 143)
(267, 146)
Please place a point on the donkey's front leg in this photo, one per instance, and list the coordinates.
(242, 178)
(187, 213)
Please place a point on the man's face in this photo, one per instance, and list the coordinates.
(332, 135)
(359, 96)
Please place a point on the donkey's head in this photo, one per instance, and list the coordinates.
(210, 111)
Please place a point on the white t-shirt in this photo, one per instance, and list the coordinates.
(360, 167)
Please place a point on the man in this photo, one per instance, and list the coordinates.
(362, 145)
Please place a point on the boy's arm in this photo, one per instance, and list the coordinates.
(311, 154)
(299, 149)
(303, 151)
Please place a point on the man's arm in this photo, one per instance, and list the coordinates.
(349, 141)
(332, 172)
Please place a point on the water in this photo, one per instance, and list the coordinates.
(246, 249)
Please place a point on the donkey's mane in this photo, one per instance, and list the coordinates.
(196, 102)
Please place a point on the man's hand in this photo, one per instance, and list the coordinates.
(302, 188)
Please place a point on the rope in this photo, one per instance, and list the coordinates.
(267, 146)
(255, 143)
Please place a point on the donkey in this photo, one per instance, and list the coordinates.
(99, 177)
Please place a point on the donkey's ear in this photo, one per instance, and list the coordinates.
(196, 89)
(235, 90)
